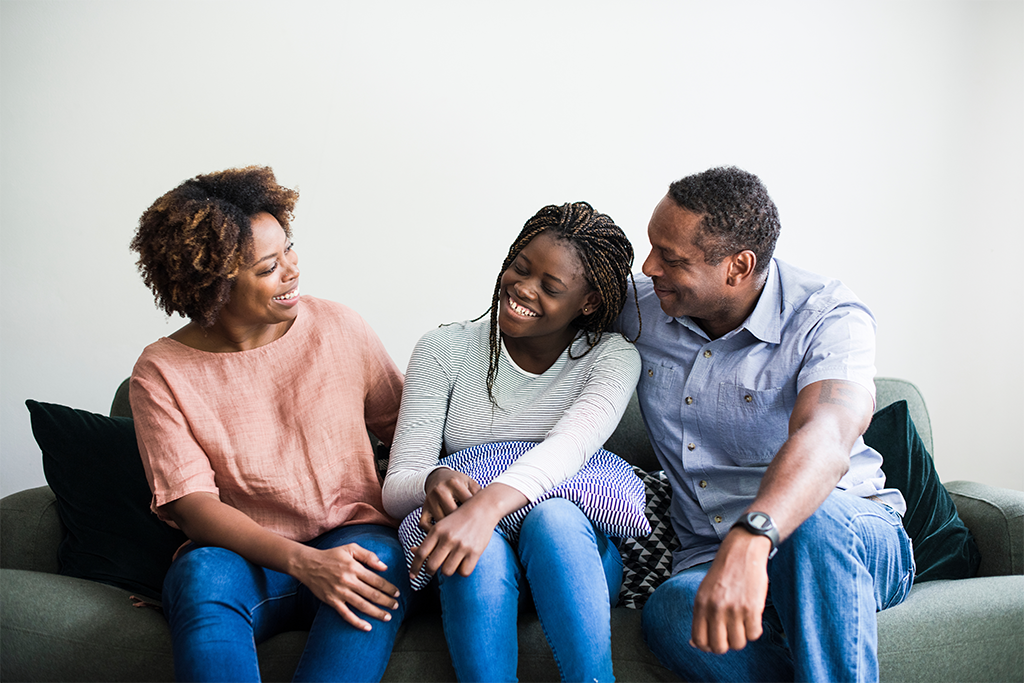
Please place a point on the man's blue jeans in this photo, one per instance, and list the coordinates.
(850, 559)
(221, 606)
(573, 571)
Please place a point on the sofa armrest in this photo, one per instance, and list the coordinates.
(995, 517)
(30, 530)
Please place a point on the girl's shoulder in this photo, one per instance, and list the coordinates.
(610, 344)
(459, 336)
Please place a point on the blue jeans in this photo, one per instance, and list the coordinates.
(573, 571)
(220, 606)
(850, 559)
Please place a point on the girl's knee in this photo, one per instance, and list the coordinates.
(555, 514)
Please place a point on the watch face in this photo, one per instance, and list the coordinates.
(759, 520)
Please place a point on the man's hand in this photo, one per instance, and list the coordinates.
(445, 491)
(346, 577)
(730, 601)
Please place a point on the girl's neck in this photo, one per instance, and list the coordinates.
(538, 355)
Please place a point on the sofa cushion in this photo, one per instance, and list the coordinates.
(92, 464)
(647, 560)
(943, 546)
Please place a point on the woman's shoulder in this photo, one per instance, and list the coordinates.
(164, 350)
(325, 307)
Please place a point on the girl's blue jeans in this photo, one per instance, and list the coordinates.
(573, 572)
(848, 560)
(221, 606)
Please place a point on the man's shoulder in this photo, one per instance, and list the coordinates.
(805, 290)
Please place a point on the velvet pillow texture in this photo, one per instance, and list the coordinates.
(92, 464)
(943, 545)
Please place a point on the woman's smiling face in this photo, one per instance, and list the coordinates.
(542, 292)
(267, 288)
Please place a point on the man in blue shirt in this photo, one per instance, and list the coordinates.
(757, 384)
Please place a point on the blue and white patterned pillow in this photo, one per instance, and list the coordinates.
(606, 489)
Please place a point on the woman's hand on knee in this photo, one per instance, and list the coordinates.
(347, 577)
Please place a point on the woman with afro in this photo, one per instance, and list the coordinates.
(252, 424)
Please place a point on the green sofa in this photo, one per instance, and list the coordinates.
(58, 628)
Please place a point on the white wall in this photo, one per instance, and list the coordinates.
(423, 135)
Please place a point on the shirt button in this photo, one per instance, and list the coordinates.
(718, 520)
(691, 446)
(703, 484)
(707, 353)
(748, 398)
(689, 400)
(650, 373)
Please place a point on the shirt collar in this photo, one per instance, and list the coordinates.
(765, 321)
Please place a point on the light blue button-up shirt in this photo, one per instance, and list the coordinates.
(717, 411)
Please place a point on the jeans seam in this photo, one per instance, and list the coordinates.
(261, 603)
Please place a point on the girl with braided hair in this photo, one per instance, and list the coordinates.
(546, 369)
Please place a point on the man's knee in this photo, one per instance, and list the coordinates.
(667, 616)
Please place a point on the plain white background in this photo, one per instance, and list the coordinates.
(422, 135)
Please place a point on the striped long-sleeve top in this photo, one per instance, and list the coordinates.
(569, 411)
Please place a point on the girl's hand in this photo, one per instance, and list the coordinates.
(446, 490)
(455, 543)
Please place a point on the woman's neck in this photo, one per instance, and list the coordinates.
(222, 338)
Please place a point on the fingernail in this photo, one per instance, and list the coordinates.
(387, 617)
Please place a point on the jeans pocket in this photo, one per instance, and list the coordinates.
(907, 565)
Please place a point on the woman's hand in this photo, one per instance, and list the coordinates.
(446, 490)
(342, 577)
(455, 542)
(346, 577)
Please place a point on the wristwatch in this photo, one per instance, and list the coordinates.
(761, 524)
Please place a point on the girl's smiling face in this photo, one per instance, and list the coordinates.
(541, 293)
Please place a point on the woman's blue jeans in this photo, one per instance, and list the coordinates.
(850, 559)
(573, 571)
(221, 606)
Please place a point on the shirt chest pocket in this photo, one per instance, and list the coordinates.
(753, 424)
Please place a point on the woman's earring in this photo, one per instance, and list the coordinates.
(586, 310)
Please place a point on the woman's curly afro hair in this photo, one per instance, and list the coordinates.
(193, 241)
